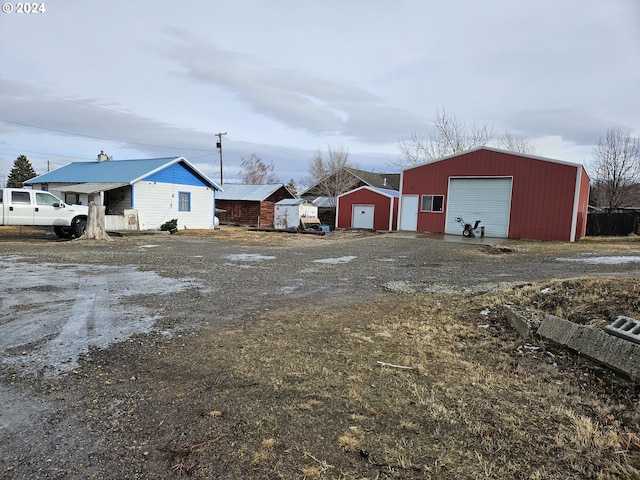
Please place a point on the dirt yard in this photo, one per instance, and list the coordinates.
(254, 355)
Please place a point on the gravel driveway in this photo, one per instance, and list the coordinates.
(61, 298)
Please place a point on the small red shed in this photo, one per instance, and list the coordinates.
(512, 194)
(368, 207)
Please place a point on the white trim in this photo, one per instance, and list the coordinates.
(390, 215)
(576, 203)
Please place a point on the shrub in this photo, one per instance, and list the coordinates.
(171, 226)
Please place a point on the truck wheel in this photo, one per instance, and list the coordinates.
(79, 225)
(63, 232)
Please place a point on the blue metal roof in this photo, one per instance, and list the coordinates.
(253, 193)
(115, 171)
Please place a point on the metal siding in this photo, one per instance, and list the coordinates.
(542, 198)
(365, 196)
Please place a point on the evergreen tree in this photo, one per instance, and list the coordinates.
(21, 172)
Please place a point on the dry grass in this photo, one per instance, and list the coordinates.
(299, 392)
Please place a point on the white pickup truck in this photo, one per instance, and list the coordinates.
(22, 206)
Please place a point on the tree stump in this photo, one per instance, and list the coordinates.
(96, 229)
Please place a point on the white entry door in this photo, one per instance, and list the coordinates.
(362, 216)
(409, 213)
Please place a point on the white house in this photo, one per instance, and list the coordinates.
(138, 194)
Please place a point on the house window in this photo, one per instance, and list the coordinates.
(72, 198)
(184, 201)
(432, 203)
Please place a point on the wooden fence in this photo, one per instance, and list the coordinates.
(613, 223)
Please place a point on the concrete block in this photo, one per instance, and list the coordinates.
(524, 321)
(614, 352)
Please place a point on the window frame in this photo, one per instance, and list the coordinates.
(181, 198)
(430, 209)
(17, 198)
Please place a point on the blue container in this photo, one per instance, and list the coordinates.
(324, 228)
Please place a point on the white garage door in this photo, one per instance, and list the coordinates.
(362, 216)
(484, 199)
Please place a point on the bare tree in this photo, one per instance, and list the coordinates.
(449, 136)
(322, 165)
(616, 167)
(516, 143)
(329, 174)
(256, 172)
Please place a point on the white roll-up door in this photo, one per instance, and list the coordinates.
(362, 216)
(484, 199)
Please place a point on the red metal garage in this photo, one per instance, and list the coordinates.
(368, 207)
(512, 194)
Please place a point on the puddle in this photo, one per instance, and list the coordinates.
(335, 261)
(53, 313)
(603, 260)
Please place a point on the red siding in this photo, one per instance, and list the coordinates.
(364, 196)
(542, 198)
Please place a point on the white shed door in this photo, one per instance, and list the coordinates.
(484, 199)
(362, 216)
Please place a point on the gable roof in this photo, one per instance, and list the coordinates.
(390, 181)
(371, 179)
(250, 192)
(382, 191)
(116, 171)
(496, 150)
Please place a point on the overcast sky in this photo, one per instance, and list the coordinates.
(286, 78)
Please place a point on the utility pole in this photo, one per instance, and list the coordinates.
(219, 146)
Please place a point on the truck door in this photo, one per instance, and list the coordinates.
(49, 210)
(19, 211)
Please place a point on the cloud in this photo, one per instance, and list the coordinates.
(570, 124)
(295, 99)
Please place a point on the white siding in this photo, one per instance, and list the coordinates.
(157, 203)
